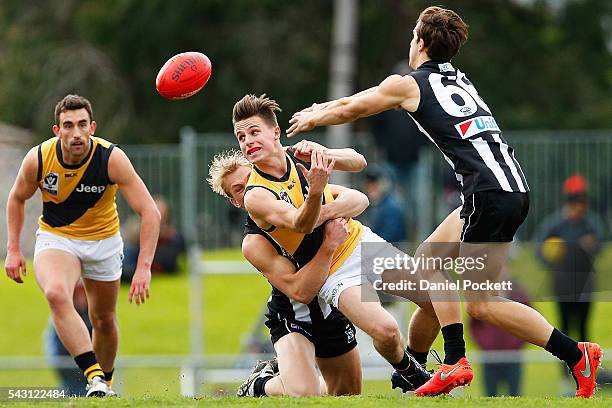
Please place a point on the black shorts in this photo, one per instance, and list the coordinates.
(331, 337)
(493, 216)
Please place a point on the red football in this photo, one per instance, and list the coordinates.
(183, 75)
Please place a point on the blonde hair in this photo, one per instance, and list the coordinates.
(251, 105)
(221, 166)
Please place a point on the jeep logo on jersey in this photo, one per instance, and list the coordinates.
(50, 183)
(471, 127)
(90, 189)
(284, 196)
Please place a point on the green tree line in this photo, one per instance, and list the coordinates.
(537, 66)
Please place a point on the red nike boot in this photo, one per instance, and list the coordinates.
(446, 378)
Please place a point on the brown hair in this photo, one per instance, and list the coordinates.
(72, 102)
(251, 105)
(443, 32)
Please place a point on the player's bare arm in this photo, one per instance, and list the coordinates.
(24, 187)
(331, 104)
(347, 203)
(266, 210)
(301, 285)
(394, 92)
(346, 159)
(133, 189)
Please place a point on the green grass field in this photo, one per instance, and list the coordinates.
(360, 402)
(233, 303)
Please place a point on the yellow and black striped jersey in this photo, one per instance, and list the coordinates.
(293, 188)
(78, 200)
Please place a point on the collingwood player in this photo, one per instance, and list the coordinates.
(306, 332)
(447, 109)
(286, 196)
(78, 175)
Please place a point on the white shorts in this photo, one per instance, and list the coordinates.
(101, 260)
(351, 272)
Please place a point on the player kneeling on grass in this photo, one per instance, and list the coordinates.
(306, 332)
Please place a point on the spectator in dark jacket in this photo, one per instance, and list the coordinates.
(386, 216)
(568, 242)
(170, 244)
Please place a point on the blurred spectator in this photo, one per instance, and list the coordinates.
(397, 135)
(568, 242)
(490, 339)
(385, 215)
(72, 380)
(170, 245)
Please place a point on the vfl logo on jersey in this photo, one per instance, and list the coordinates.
(285, 196)
(471, 127)
(51, 183)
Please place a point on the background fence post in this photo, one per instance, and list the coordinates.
(189, 171)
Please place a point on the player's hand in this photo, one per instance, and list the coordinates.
(301, 122)
(314, 107)
(15, 266)
(141, 284)
(304, 148)
(320, 170)
(336, 232)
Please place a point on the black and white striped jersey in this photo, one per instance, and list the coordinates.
(458, 121)
(279, 304)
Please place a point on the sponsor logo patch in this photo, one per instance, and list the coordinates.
(474, 126)
(447, 66)
(82, 188)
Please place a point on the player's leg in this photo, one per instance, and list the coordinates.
(444, 243)
(496, 225)
(57, 270)
(102, 298)
(337, 354)
(377, 322)
(425, 322)
(57, 273)
(102, 268)
(342, 374)
(298, 374)
(422, 331)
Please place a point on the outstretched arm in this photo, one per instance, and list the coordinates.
(346, 159)
(395, 91)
